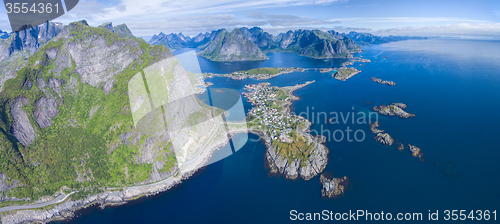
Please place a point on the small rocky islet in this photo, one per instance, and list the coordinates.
(332, 188)
(393, 109)
(383, 138)
(415, 151)
(386, 139)
(383, 82)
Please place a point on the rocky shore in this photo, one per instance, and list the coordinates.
(393, 109)
(112, 196)
(384, 82)
(334, 187)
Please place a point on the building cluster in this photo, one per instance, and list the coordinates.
(267, 111)
(248, 74)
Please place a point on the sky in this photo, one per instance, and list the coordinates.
(454, 18)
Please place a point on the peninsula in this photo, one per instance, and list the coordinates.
(291, 150)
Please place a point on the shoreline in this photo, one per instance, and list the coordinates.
(65, 210)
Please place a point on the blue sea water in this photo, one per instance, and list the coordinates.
(453, 88)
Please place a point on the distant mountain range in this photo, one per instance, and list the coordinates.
(239, 44)
(225, 46)
(367, 38)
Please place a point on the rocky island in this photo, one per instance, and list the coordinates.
(345, 73)
(393, 109)
(258, 73)
(381, 137)
(332, 188)
(415, 151)
(384, 138)
(384, 82)
(363, 60)
(291, 150)
(401, 147)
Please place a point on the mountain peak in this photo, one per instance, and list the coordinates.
(107, 25)
(123, 31)
(232, 47)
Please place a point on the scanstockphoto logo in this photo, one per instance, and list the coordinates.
(24, 14)
(167, 101)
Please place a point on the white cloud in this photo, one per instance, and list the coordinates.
(160, 9)
(406, 19)
(285, 20)
(187, 25)
(461, 29)
(192, 25)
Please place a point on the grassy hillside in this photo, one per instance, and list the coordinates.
(82, 147)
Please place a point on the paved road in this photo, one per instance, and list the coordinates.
(56, 200)
(63, 197)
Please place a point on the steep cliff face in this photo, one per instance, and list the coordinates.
(108, 25)
(21, 126)
(66, 115)
(123, 31)
(263, 39)
(97, 61)
(232, 47)
(93, 109)
(31, 39)
(15, 49)
(317, 44)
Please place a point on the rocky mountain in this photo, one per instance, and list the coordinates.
(232, 46)
(29, 40)
(312, 43)
(172, 41)
(15, 50)
(263, 39)
(201, 37)
(317, 44)
(123, 31)
(367, 38)
(108, 25)
(67, 110)
(89, 110)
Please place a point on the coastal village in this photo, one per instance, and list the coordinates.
(270, 111)
(258, 73)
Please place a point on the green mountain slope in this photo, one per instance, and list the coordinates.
(66, 120)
